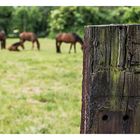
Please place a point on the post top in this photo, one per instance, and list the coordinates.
(110, 25)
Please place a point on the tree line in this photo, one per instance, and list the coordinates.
(48, 21)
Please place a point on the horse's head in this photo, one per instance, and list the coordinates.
(79, 39)
(81, 42)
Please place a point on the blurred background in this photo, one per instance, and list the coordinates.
(47, 21)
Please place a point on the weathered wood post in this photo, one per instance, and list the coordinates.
(111, 79)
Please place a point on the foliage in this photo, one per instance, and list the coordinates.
(73, 19)
(26, 19)
(70, 19)
(52, 20)
(5, 18)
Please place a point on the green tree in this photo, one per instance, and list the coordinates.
(52, 20)
(31, 19)
(43, 25)
(131, 15)
(21, 19)
(5, 18)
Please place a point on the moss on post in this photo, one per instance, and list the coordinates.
(111, 79)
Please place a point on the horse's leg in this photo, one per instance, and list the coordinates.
(70, 47)
(17, 49)
(1, 44)
(32, 45)
(58, 44)
(38, 44)
(57, 47)
(75, 47)
(22, 46)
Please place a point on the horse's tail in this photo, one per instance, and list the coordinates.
(57, 47)
(38, 44)
(3, 44)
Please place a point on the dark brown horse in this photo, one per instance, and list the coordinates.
(15, 46)
(2, 40)
(71, 38)
(29, 36)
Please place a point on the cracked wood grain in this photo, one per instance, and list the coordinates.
(111, 79)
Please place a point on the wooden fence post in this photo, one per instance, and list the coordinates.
(111, 79)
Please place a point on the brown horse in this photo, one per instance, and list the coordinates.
(2, 40)
(72, 38)
(15, 46)
(29, 36)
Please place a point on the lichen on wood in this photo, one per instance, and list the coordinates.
(111, 79)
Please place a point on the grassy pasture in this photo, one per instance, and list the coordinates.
(40, 92)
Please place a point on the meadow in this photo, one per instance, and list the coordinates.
(40, 91)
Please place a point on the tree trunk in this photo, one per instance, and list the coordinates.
(111, 79)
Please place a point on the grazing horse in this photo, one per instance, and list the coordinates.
(15, 46)
(2, 40)
(72, 38)
(29, 36)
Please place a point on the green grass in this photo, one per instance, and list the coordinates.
(40, 92)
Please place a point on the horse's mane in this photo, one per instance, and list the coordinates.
(78, 38)
(17, 43)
